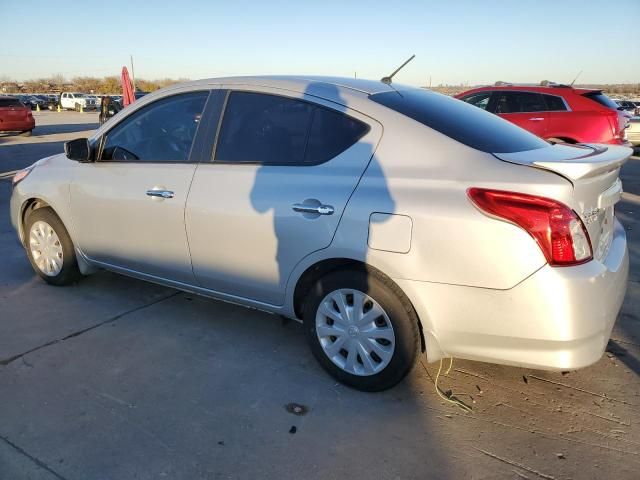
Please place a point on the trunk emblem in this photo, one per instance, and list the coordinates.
(591, 215)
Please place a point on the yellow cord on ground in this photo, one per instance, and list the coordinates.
(450, 399)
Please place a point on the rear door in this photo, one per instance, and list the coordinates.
(562, 123)
(525, 109)
(282, 171)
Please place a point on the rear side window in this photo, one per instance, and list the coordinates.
(602, 99)
(480, 100)
(275, 130)
(519, 102)
(554, 103)
(460, 121)
(10, 102)
(331, 133)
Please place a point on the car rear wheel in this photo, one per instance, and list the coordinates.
(362, 329)
(49, 248)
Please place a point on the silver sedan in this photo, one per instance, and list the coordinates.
(389, 220)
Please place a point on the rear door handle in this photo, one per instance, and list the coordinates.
(160, 193)
(536, 119)
(319, 209)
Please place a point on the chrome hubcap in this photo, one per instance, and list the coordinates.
(355, 332)
(46, 249)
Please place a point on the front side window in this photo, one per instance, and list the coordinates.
(519, 102)
(160, 132)
(276, 130)
(554, 103)
(480, 100)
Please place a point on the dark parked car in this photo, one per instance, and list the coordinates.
(628, 106)
(27, 101)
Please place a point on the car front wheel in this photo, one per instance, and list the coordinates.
(362, 329)
(49, 248)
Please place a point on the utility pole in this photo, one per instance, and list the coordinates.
(133, 74)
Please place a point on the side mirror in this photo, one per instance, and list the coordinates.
(78, 150)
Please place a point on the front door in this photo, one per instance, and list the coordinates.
(281, 175)
(128, 205)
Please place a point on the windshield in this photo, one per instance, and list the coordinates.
(79, 95)
(460, 121)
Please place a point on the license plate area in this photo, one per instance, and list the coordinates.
(606, 233)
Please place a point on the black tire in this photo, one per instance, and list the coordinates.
(401, 314)
(69, 273)
(26, 134)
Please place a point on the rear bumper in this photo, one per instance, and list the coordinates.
(18, 126)
(556, 319)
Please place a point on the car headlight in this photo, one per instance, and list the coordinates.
(21, 175)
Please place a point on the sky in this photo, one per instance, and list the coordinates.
(455, 42)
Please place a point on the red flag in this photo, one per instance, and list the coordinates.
(127, 90)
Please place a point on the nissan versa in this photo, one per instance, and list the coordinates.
(390, 220)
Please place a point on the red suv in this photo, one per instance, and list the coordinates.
(558, 113)
(15, 117)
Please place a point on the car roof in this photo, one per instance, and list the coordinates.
(553, 89)
(336, 89)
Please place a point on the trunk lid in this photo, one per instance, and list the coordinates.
(594, 172)
(12, 113)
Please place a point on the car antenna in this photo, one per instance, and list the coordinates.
(387, 80)
(574, 80)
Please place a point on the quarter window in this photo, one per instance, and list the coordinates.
(554, 103)
(276, 130)
(160, 132)
(519, 102)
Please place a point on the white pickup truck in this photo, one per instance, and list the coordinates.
(75, 100)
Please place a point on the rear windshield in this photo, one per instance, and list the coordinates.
(10, 102)
(460, 121)
(602, 99)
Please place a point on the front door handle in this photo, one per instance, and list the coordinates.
(536, 119)
(160, 193)
(319, 209)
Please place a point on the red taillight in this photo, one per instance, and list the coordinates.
(558, 230)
